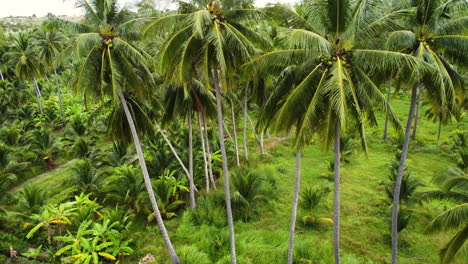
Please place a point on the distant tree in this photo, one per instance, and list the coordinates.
(22, 58)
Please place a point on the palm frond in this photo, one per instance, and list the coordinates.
(450, 219)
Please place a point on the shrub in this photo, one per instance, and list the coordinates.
(207, 212)
(191, 255)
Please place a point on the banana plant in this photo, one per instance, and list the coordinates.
(85, 246)
(52, 219)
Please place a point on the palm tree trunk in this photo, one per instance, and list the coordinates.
(227, 131)
(225, 168)
(268, 134)
(253, 129)
(149, 187)
(208, 151)
(439, 131)
(246, 152)
(418, 106)
(236, 146)
(59, 93)
(1, 75)
(336, 215)
(174, 152)
(192, 184)
(385, 133)
(262, 148)
(38, 95)
(205, 161)
(294, 208)
(396, 194)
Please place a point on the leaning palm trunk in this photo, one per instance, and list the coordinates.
(1, 75)
(396, 194)
(38, 95)
(149, 187)
(174, 152)
(253, 129)
(236, 146)
(225, 167)
(205, 160)
(418, 107)
(191, 180)
(294, 208)
(208, 152)
(59, 93)
(227, 131)
(336, 215)
(246, 152)
(385, 133)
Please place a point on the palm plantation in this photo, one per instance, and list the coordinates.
(139, 113)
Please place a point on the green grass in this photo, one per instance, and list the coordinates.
(364, 223)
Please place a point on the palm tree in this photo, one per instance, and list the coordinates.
(22, 57)
(48, 45)
(111, 67)
(32, 199)
(125, 187)
(329, 76)
(45, 145)
(209, 42)
(87, 178)
(435, 33)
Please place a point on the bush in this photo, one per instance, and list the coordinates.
(191, 255)
(250, 188)
(208, 213)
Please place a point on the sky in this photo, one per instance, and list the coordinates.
(66, 7)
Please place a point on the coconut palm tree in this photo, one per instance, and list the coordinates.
(87, 178)
(49, 45)
(23, 59)
(329, 76)
(125, 187)
(45, 145)
(209, 41)
(435, 32)
(111, 66)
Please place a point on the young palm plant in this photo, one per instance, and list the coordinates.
(329, 76)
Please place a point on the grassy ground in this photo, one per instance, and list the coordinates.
(365, 220)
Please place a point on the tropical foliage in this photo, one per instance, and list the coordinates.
(166, 133)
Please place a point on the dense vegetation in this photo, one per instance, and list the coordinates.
(223, 133)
